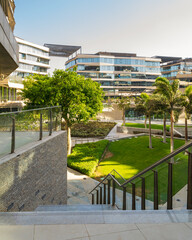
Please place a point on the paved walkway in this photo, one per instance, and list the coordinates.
(165, 231)
(78, 187)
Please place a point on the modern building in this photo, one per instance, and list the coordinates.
(59, 55)
(9, 59)
(120, 74)
(33, 59)
(177, 68)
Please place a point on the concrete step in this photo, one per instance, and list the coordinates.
(95, 217)
(75, 208)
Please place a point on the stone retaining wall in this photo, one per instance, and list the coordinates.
(35, 175)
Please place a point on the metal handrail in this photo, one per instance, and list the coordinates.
(119, 174)
(171, 155)
(29, 110)
(108, 175)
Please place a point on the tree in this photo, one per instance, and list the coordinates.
(148, 105)
(162, 108)
(170, 90)
(187, 104)
(79, 98)
(123, 104)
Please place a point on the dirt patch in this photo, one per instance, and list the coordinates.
(108, 155)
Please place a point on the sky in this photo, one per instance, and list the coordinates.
(144, 27)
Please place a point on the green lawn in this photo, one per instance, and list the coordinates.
(85, 157)
(131, 156)
(142, 125)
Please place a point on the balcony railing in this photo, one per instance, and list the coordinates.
(167, 184)
(23, 127)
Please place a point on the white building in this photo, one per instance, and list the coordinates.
(33, 59)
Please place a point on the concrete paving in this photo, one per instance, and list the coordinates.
(171, 231)
(112, 225)
(78, 187)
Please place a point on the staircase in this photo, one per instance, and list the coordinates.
(154, 188)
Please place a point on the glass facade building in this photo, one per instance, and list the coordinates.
(119, 74)
(178, 68)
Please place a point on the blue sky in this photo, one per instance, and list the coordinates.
(145, 27)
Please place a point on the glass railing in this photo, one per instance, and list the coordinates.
(23, 127)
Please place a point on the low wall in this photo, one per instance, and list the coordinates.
(132, 130)
(35, 175)
(182, 130)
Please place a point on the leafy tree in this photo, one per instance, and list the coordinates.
(79, 98)
(170, 91)
(123, 104)
(187, 104)
(148, 105)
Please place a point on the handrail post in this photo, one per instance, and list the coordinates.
(13, 136)
(113, 200)
(189, 186)
(92, 198)
(41, 127)
(50, 122)
(133, 196)
(156, 203)
(104, 197)
(97, 196)
(124, 198)
(101, 195)
(143, 194)
(109, 192)
(170, 187)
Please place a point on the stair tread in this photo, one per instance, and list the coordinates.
(77, 207)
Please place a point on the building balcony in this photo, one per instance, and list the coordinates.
(9, 59)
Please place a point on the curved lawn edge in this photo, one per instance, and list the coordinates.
(85, 157)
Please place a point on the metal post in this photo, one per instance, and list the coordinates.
(124, 198)
(189, 186)
(104, 198)
(97, 196)
(133, 196)
(109, 192)
(13, 136)
(50, 122)
(156, 203)
(56, 127)
(143, 194)
(41, 127)
(92, 198)
(113, 200)
(101, 195)
(170, 187)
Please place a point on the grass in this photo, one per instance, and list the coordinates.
(130, 156)
(85, 157)
(142, 125)
(91, 129)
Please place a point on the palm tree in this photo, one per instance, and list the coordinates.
(187, 103)
(162, 108)
(170, 90)
(148, 105)
(123, 104)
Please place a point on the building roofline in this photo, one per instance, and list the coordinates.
(22, 41)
